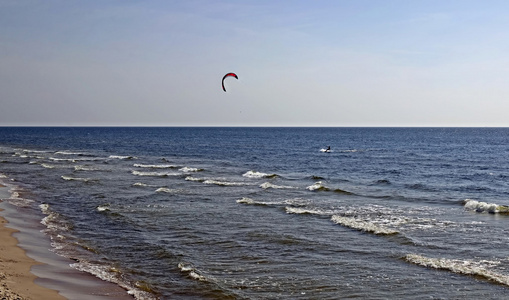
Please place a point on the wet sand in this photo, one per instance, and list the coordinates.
(29, 270)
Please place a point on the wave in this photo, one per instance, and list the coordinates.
(254, 174)
(188, 170)
(156, 174)
(103, 207)
(292, 202)
(191, 271)
(86, 168)
(110, 274)
(65, 152)
(268, 185)
(140, 184)
(317, 186)
(68, 178)
(168, 190)
(483, 207)
(122, 157)
(223, 183)
(53, 221)
(15, 198)
(219, 182)
(164, 166)
(363, 225)
(310, 211)
(62, 159)
(190, 178)
(482, 268)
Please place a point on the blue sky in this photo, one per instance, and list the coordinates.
(300, 63)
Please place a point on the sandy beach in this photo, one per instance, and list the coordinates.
(48, 276)
(16, 280)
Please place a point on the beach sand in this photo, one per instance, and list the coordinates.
(48, 276)
(16, 281)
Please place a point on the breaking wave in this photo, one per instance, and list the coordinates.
(363, 225)
(482, 268)
(156, 174)
(268, 185)
(164, 166)
(191, 271)
(254, 174)
(68, 178)
(483, 207)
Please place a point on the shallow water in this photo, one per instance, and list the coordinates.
(262, 213)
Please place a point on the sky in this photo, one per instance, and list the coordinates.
(299, 63)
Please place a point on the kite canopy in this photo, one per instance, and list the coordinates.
(228, 75)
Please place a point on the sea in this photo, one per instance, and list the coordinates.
(267, 213)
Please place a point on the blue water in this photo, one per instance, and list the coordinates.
(262, 213)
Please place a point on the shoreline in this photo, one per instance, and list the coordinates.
(29, 270)
(16, 280)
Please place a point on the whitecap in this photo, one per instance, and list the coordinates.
(483, 268)
(157, 174)
(302, 211)
(188, 169)
(190, 178)
(363, 225)
(254, 174)
(109, 273)
(104, 207)
(317, 186)
(122, 157)
(223, 183)
(268, 185)
(68, 178)
(483, 207)
(85, 168)
(62, 159)
(191, 271)
(165, 166)
(167, 190)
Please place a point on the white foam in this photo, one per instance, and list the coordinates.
(223, 183)
(301, 211)
(108, 273)
(85, 168)
(139, 184)
(483, 207)
(104, 207)
(268, 185)
(483, 268)
(167, 190)
(157, 174)
(155, 166)
(122, 157)
(191, 271)
(68, 153)
(190, 178)
(68, 178)
(62, 159)
(188, 169)
(363, 225)
(317, 186)
(254, 174)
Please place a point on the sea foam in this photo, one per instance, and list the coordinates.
(483, 207)
(482, 268)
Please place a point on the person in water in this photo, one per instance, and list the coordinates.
(328, 148)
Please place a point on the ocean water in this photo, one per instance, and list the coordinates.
(263, 213)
